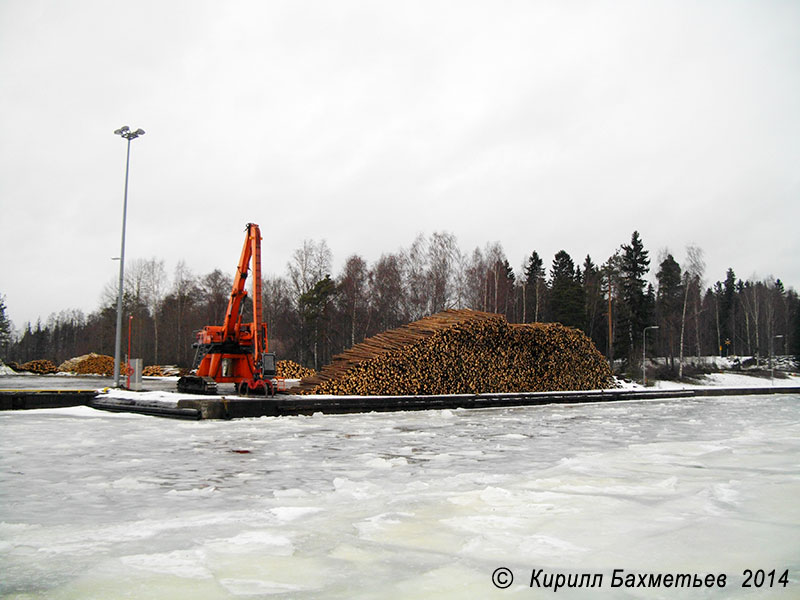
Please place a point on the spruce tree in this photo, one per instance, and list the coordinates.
(566, 293)
(727, 313)
(634, 313)
(534, 286)
(5, 328)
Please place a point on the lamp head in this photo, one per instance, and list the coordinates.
(126, 133)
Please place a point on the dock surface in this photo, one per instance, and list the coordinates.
(236, 407)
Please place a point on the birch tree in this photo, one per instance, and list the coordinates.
(692, 277)
(154, 290)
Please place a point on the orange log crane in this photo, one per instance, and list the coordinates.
(236, 352)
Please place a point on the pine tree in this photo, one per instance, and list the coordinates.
(668, 304)
(315, 313)
(612, 289)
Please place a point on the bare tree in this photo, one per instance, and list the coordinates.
(135, 276)
(751, 299)
(309, 264)
(352, 288)
(474, 281)
(460, 281)
(215, 292)
(772, 300)
(696, 265)
(386, 294)
(443, 256)
(154, 283)
(495, 259)
(280, 316)
(184, 288)
(415, 274)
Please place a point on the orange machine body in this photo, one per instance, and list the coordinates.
(236, 352)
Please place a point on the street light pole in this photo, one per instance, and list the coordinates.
(126, 133)
(644, 349)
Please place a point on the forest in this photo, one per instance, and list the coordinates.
(313, 315)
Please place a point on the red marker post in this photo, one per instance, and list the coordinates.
(128, 358)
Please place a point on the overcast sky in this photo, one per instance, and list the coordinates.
(539, 124)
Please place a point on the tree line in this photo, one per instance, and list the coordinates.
(312, 316)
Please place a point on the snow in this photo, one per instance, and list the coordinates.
(158, 397)
(6, 370)
(732, 380)
(725, 379)
(399, 505)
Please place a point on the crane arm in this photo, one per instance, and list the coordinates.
(250, 250)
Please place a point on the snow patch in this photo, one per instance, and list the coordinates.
(290, 513)
(187, 564)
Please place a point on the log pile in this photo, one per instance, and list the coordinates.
(91, 364)
(465, 351)
(40, 367)
(288, 369)
(550, 357)
(69, 365)
(161, 371)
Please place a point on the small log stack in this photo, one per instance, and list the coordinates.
(465, 351)
(161, 371)
(97, 364)
(41, 367)
(91, 364)
(288, 369)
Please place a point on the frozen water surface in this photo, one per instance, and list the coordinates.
(399, 505)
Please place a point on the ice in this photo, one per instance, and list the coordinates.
(264, 542)
(257, 587)
(398, 505)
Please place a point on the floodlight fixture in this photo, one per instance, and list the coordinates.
(129, 135)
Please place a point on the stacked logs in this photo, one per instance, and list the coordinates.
(161, 371)
(91, 364)
(69, 365)
(288, 369)
(465, 351)
(549, 357)
(41, 367)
